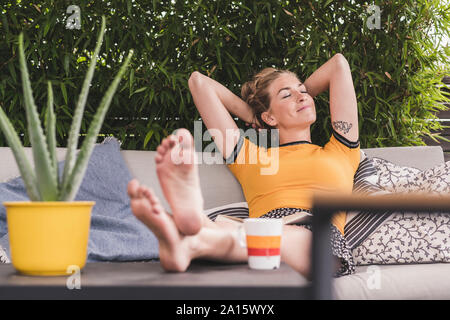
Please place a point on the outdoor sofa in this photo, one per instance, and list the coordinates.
(209, 280)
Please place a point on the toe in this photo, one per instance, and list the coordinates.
(184, 137)
(140, 192)
(133, 186)
(161, 149)
(150, 195)
(158, 209)
(167, 142)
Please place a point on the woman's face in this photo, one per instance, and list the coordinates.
(290, 105)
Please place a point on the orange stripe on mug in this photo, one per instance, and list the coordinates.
(263, 252)
(263, 241)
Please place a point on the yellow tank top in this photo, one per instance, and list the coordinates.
(288, 175)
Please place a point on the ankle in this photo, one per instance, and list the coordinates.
(196, 248)
(212, 243)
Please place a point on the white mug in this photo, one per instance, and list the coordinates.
(263, 242)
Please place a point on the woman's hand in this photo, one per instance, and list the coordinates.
(254, 124)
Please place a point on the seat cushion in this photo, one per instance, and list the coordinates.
(412, 281)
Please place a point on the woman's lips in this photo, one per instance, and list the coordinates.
(302, 108)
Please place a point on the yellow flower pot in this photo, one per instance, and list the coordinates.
(47, 237)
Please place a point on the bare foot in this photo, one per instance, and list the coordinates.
(174, 250)
(178, 176)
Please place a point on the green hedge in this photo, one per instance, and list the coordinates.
(396, 69)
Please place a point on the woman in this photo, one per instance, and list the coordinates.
(273, 99)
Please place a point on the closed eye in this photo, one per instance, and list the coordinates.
(287, 88)
(288, 95)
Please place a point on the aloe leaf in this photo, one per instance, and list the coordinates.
(79, 110)
(23, 164)
(45, 178)
(73, 183)
(50, 129)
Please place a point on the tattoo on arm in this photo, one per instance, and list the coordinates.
(342, 126)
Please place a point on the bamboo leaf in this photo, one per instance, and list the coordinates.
(140, 90)
(152, 95)
(258, 24)
(64, 92)
(5, 23)
(219, 57)
(45, 178)
(66, 65)
(46, 28)
(236, 72)
(227, 31)
(131, 80)
(148, 136)
(76, 176)
(12, 71)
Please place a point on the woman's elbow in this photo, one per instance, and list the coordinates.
(339, 57)
(341, 61)
(194, 79)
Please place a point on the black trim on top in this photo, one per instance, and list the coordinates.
(232, 158)
(294, 143)
(345, 141)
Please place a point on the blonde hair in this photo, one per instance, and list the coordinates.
(256, 95)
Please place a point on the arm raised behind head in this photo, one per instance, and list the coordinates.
(215, 104)
(335, 75)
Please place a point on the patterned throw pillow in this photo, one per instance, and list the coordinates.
(395, 178)
(409, 237)
(360, 224)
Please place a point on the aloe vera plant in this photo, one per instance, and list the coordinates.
(43, 183)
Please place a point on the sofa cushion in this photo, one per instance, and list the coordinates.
(412, 281)
(115, 234)
(219, 186)
(420, 157)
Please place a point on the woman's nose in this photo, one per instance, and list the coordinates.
(300, 96)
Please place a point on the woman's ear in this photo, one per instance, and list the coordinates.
(268, 118)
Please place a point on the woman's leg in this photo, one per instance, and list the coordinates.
(215, 241)
(176, 250)
(295, 245)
